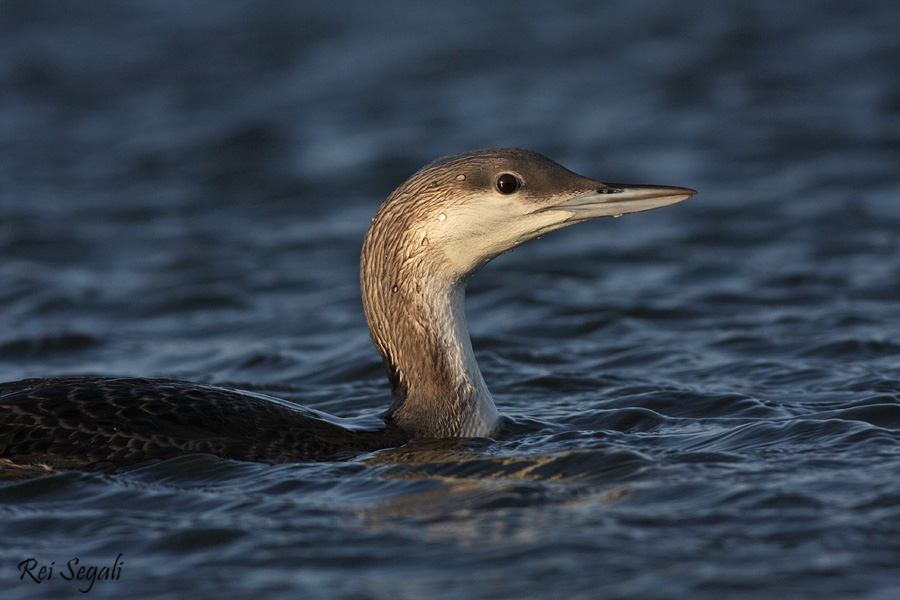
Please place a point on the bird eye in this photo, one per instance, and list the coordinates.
(508, 183)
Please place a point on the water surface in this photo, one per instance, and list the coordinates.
(702, 400)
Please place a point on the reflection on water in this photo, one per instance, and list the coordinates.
(702, 402)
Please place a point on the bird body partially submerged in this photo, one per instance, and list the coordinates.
(431, 234)
(83, 422)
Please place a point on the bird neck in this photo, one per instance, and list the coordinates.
(416, 316)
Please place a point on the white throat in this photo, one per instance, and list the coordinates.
(481, 415)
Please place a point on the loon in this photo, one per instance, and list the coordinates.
(425, 241)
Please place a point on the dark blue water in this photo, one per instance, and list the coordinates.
(703, 400)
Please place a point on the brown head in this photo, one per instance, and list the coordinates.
(434, 231)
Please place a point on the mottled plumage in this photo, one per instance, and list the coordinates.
(76, 422)
(426, 239)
